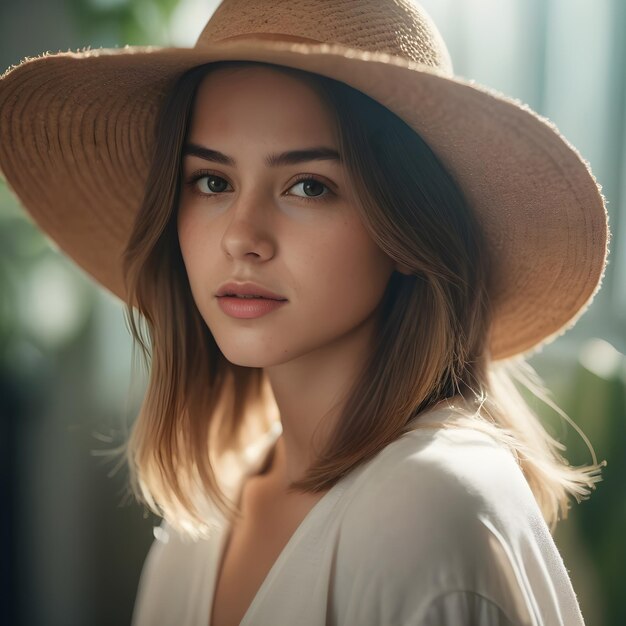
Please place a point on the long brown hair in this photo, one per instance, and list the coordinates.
(200, 412)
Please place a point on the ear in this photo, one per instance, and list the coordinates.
(403, 269)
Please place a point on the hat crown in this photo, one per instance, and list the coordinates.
(401, 28)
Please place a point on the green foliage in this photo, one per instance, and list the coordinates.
(121, 22)
(591, 388)
(22, 245)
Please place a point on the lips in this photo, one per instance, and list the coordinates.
(249, 308)
(234, 290)
(241, 297)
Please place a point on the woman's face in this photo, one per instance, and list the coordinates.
(288, 227)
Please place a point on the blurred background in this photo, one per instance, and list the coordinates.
(72, 544)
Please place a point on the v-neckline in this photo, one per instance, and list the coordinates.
(225, 530)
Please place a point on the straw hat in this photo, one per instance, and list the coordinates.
(77, 133)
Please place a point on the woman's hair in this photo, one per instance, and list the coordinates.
(201, 412)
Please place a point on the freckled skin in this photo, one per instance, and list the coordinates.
(258, 226)
(317, 253)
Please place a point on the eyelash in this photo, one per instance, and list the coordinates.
(191, 183)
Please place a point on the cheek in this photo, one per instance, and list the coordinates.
(187, 244)
(185, 230)
(350, 272)
(195, 249)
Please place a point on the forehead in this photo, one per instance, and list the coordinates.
(261, 100)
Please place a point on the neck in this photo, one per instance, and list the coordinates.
(310, 393)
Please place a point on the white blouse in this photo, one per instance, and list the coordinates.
(440, 528)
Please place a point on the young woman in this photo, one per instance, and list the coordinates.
(334, 258)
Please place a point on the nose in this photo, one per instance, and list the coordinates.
(248, 231)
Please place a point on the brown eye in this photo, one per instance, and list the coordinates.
(209, 184)
(313, 189)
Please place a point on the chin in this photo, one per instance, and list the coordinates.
(246, 356)
(245, 360)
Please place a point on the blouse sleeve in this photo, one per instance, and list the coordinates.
(453, 536)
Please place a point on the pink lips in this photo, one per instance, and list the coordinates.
(248, 308)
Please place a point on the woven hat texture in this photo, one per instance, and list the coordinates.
(77, 131)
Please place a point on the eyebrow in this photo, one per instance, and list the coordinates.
(292, 157)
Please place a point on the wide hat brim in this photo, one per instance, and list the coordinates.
(77, 134)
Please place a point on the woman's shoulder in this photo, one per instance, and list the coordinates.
(440, 480)
(444, 510)
(449, 458)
